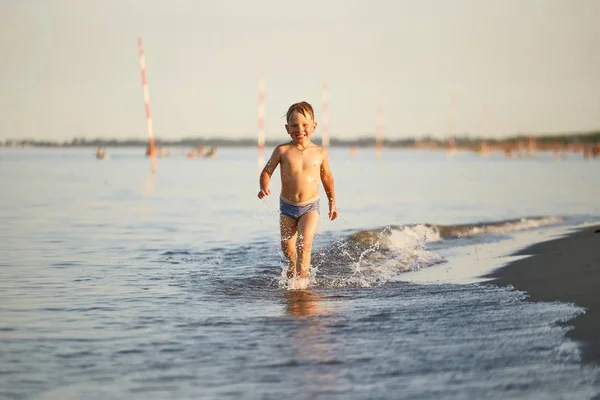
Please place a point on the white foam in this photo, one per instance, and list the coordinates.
(418, 234)
(394, 254)
(407, 247)
(468, 264)
(297, 283)
(512, 226)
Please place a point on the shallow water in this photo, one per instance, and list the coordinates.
(119, 284)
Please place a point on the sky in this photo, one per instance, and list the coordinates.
(70, 68)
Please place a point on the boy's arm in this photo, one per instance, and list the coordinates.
(265, 175)
(327, 179)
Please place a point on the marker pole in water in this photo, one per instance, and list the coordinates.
(325, 116)
(484, 148)
(452, 123)
(151, 151)
(261, 120)
(379, 133)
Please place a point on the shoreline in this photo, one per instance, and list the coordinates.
(472, 263)
(565, 269)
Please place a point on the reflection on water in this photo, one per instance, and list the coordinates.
(148, 188)
(304, 303)
(312, 340)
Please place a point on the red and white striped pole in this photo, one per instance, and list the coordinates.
(325, 116)
(379, 134)
(151, 151)
(261, 119)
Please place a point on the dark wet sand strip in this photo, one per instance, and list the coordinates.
(566, 269)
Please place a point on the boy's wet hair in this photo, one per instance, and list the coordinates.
(303, 108)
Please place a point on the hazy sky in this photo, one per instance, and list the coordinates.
(71, 68)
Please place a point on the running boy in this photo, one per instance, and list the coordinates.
(303, 165)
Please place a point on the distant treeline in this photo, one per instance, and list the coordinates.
(463, 140)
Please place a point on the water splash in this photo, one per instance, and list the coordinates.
(370, 258)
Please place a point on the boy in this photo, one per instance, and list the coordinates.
(303, 165)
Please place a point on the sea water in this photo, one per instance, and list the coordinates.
(116, 283)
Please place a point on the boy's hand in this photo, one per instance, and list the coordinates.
(263, 193)
(333, 212)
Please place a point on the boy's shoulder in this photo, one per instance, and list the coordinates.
(283, 147)
(320, 149)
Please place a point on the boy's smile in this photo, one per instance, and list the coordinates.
(300, 128)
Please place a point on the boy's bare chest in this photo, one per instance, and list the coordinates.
(300, 163)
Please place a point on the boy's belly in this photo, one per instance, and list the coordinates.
(299, 189)
(301, 202)
(299, 197)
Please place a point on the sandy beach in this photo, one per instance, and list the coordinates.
(566, 269)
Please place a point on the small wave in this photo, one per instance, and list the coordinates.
(369, 258)
(372, 257)
(434, 233)
(505, 226)
(171, 253)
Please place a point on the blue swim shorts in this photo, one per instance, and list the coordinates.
(296, 212)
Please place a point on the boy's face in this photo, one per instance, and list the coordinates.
(300, 128)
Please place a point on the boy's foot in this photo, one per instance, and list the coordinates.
(302, 283)
(298, 283)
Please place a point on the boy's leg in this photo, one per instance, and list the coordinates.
(288, 227)
(307, 227)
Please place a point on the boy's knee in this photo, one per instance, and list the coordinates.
(305, 242)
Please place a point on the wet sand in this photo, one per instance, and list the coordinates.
(566, 269)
